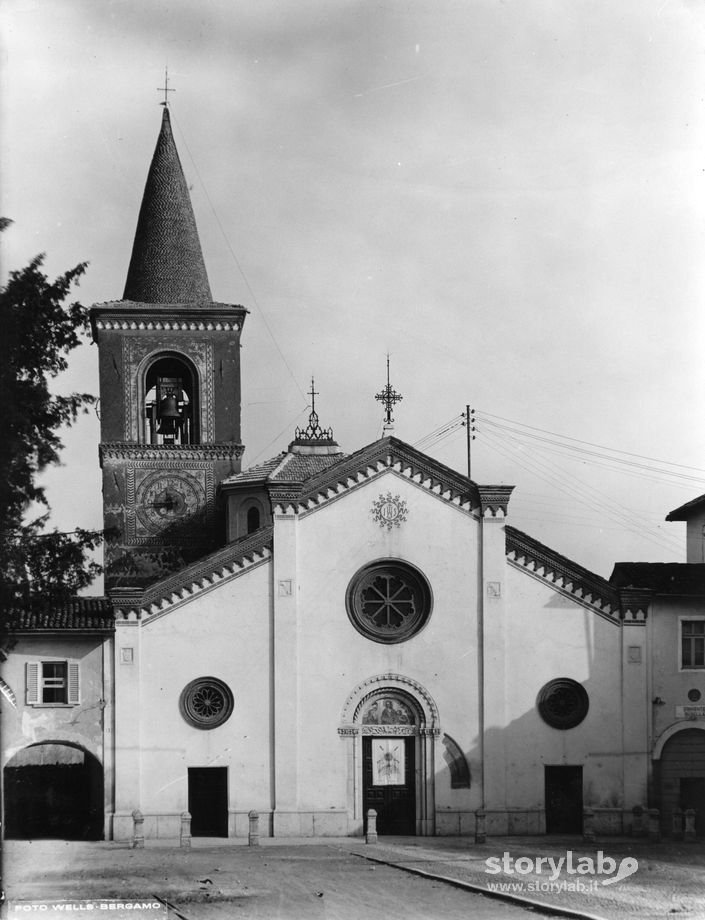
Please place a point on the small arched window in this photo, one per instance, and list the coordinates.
(253, 519)
(171, 402)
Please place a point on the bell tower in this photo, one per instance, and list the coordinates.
(169, 390)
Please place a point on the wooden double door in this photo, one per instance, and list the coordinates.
(389, 783)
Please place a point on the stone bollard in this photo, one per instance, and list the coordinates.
(371, 835)
(677, 824)
(185, 836)
(137, 829)
(638, 828)
(480, 824)
(654, 828)
(253, 836)
(690, 825)
(588, 825)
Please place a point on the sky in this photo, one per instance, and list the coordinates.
(507, 196)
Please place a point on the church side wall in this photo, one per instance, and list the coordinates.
(548, 637)
(225, 634)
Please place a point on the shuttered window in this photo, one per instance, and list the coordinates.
(53, 682)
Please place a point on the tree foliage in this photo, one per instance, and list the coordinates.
(38, 330)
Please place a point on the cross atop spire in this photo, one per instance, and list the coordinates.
(166, 89)
(388, 397)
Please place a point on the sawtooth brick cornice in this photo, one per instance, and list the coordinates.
(562, 574)
(215, 569)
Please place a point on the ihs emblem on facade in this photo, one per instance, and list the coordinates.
(389, 510)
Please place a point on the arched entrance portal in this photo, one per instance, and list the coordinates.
(390, 724)
(682, 777)
(389, 730)
(53, 790)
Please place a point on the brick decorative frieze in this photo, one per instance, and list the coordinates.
(177, 325)
(216, 569)
(635, 604)
(171, 456)
(494, 500)
(562, 575)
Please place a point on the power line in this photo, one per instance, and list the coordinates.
(237, 263)
(615, 450)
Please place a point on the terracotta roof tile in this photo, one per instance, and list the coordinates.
(86, 614)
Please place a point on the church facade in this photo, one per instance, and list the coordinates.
(328, 633)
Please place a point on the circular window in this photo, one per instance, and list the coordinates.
(694, 695)
(206, 702)
(563, 703)
(388, 601)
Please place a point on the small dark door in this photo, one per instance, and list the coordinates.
(389, 784)
(692, 795)
(564, 800)
(208, 801)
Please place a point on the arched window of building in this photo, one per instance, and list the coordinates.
(253, 519)
(171, 402)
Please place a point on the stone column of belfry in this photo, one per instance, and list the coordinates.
(493, 590)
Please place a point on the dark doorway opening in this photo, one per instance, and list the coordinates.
(53, 791)
(680, 775)
(564, 800)
(692, 795)
(208, 801)
(389, 783)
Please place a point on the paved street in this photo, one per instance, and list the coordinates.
(346, 879)
(267, 883)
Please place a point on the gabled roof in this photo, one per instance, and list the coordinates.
(390, 453)
(562, 574)
(78, 614)
(214, 569)
(661, 577)
(167, 262)
(687, 510)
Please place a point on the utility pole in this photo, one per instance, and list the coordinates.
(469, 423)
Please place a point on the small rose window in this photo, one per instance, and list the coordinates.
(563, 703)
(206, 702)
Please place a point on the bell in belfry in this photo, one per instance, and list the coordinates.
(169, 416)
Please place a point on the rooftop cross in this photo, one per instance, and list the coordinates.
(313, 431)
(313, 393)
(388, 397)
(166, 89)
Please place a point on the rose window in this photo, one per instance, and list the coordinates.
(388, 601)
(206, 702)
(563, 703)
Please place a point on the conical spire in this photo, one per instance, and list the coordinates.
(167, 263)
